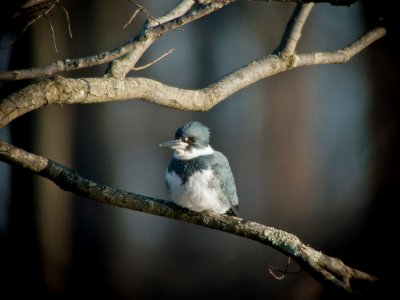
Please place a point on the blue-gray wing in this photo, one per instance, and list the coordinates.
(220, 166)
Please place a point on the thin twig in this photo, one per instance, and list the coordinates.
(154, 61)
(29, 24)
(121, 66)
(272, 270)
(32, 3)
(132, 18)
(52, 33)
(144, 11)
(67, 17)
(145, 37)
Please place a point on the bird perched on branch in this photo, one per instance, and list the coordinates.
(198, 177)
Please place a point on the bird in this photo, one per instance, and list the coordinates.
(198, 177)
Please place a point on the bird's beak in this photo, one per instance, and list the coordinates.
(175, 144)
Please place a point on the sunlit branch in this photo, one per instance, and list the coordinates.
(326, 269)
(62, 90)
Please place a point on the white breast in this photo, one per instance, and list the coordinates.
(201, 192)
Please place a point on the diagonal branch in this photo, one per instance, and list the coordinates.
(343, 55)
(121, 66)
(61, 90)
(292, 33)
(327, 270)
(178, 10)
(53, 35)
(130, 52)
(154, 61)
(152, 30)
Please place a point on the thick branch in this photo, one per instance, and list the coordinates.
(327, 270)
(61, 90)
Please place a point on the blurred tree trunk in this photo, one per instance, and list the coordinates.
(20, 254)
(91, 223)
(370, 248)
(385, 113)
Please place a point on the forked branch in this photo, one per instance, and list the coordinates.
(60, 90)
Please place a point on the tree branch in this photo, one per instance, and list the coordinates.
(60, 90)
(292, 33)
(130, 52)
(327, 270)
(36, 8)
(178, 10)
(67, 64)
(154, 61)
(137, 45)
(344, 55)
(121, 66)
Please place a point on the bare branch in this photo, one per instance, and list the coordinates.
(68, 64)
(172, 20)
(276, 276)
(67, 17)
(292, 33)
(132, 17)
(143, 10)
(32, 21)
(134, 48)
(61, 90)
(52, 33)
(180, 9)
(325, 269)
(121, 66)
(340, 56)
(154, 61)
(32, 3)
(273, 271)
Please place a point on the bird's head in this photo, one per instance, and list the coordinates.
(191, 141)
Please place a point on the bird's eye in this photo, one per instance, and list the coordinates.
(189, 140)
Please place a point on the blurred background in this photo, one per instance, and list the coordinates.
(314, 152)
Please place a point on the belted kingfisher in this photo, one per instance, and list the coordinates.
(198, 177)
